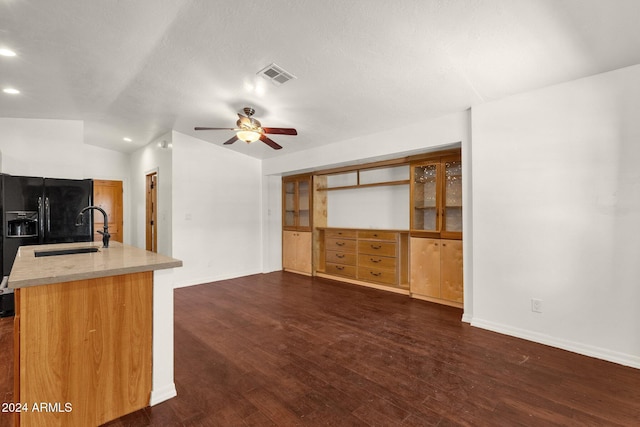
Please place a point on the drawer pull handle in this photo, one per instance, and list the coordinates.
(375, 234)
(340, 243)
(339, 267)
(375, 260)
(339, 255)
(375, 274)
(376, 246)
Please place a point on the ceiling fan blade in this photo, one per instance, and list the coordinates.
(269, 142)
(281, 131)
(199, 128)
(231, 140)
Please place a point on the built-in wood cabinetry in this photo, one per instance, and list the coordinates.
(297, 206)
(436, 270)
(436, 229)
(436, 197)
(424, 260)
(297, 221)
(296, 251)
(372, 256)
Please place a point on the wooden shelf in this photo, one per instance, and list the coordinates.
(377, 184)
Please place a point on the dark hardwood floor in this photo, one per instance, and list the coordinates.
(282, 349)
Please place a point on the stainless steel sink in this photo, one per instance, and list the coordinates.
(70, 251)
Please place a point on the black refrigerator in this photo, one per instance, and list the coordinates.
(37, 211)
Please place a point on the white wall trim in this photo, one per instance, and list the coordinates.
(575, 347)
(166, 393)
(216, 278)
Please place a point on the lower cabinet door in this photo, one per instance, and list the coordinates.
(451, 270)
(303, 249)
(289, 250)
(425, 267)
(296, 251)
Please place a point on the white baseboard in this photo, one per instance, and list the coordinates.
(575, 347)
(214, 278)
(159, 396)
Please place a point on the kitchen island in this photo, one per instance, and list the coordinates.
(84, 332)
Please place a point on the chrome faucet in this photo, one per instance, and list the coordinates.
(105, 233)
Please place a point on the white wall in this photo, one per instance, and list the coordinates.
(385, 207)
(37, 147)
(148, 159)
(556, 215)
(217, 212)
(56, 149)
(436, 133)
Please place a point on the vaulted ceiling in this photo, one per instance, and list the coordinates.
(141, 68)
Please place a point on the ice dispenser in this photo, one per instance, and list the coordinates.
(22, 224)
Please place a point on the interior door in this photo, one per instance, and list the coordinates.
(152, 212)
(108, 196)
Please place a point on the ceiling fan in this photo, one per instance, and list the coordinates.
(250, 130)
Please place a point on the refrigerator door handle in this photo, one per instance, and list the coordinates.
(40, 217)
(48, 214)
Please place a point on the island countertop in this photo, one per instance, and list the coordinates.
(117, 259)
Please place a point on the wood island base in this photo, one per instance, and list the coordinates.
(83, 350)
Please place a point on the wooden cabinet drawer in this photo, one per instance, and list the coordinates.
(375, 275)
(338, 257)
(377, 235)
(340, 234)
(344, 245)
(377, 262)
(374, 247)
(341, 270)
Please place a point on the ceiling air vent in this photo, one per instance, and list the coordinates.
(277, 75)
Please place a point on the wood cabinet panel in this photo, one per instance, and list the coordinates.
(387, 277)
(436, 269)
(374, 247)
(341, 234)
(296, 251)
(377, 262)
(86, 342)
(451, 270)
(341, 270)
(377, 235)
(344, 245)
(425, 267)
(341, 257)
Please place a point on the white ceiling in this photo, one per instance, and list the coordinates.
(143, 67)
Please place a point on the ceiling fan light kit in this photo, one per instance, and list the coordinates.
(248, 136)
(250, 130)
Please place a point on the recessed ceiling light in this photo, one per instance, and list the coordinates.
(7, 52)
(11, 91)
(127, 139)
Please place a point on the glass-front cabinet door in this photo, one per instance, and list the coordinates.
(289, 193)
(304, 204)
(426, 194)
(452, 221)
(436, 198)
(296, 193)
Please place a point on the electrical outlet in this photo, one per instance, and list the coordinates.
(536, 305)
